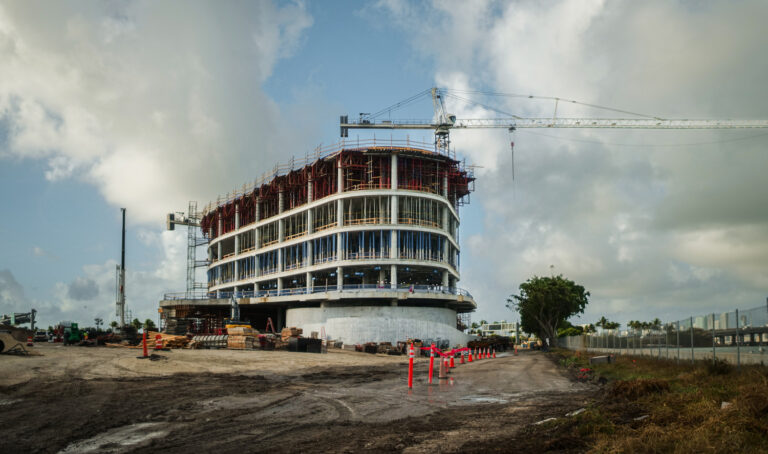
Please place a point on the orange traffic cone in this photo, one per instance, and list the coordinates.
(494, 353)
(452, 365)
(30, 341)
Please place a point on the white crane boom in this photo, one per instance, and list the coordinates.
(444, 122)
(607, 123)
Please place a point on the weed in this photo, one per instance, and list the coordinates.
(634, 389)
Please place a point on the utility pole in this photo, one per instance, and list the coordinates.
(121, 280)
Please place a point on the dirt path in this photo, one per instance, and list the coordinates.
(272, 401)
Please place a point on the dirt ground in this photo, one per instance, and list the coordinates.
(79, 400)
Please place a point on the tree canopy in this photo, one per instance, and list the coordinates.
(545, 303)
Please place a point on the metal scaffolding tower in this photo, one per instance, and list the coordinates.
(194, 239)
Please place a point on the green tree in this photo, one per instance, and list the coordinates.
(601, 323)
(544, 303)
(136, 324)
(149, 325)
(612, 325)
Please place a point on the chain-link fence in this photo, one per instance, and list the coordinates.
(738, 337)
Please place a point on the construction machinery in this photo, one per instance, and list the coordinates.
(442, 121)
(70, 332)
(18, 318)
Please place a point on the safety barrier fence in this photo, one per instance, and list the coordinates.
(737, 337)
(317, 289)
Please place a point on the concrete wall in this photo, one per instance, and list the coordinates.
(359, 324)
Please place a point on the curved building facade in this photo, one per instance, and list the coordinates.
(361, 243)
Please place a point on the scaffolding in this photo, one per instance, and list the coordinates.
(419, 211)
(361, 168)
(267, 263)
(295, 226)
(294, 256)
(367, 210)
(420, 245)
(363, 171)
(367, 245)
(324, 249)
(324, 217)
(268, 234)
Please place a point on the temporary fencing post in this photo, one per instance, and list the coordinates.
(431, 362)
(714, 353)
(144, 343)
(158, 342)
(678, 342)
(738, 343)
(691, 340)
(410, 366)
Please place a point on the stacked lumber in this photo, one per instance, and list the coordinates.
(237, 342)
(169, 340)
(288, 333)
(242, 331)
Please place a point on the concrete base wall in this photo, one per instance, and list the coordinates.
(360, 324)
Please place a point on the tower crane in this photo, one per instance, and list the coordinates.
(443, 121)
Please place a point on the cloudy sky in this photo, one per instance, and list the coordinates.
(147, 105)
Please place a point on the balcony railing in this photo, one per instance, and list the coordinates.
(420, 289)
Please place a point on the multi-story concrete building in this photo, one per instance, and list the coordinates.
(360, 243)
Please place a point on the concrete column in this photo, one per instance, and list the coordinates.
(221, 226)
(446, 277)
(394, 250)
(393, 276)
(310, 284)
(446, 214)
(310, 220)
(280, 201)
(446, 250)
(393, 170)
(382, 275)
(309, 191)
(339, 277)
(280, 260)
(237, 226)
(445, 186)
(339, 248)
(279, 285)
(310, 253)
(218, 254)
(340, 212)
(258, 210)
(339, 176)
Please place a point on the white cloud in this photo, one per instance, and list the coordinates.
(651, 229)
(153, 103)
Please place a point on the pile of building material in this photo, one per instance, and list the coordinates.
(288, 333)
(242, 338)
(169, 340)
(209, 341)
(177, 326)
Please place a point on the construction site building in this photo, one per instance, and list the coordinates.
(359, 243)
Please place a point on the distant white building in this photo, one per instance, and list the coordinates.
(499, 329)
